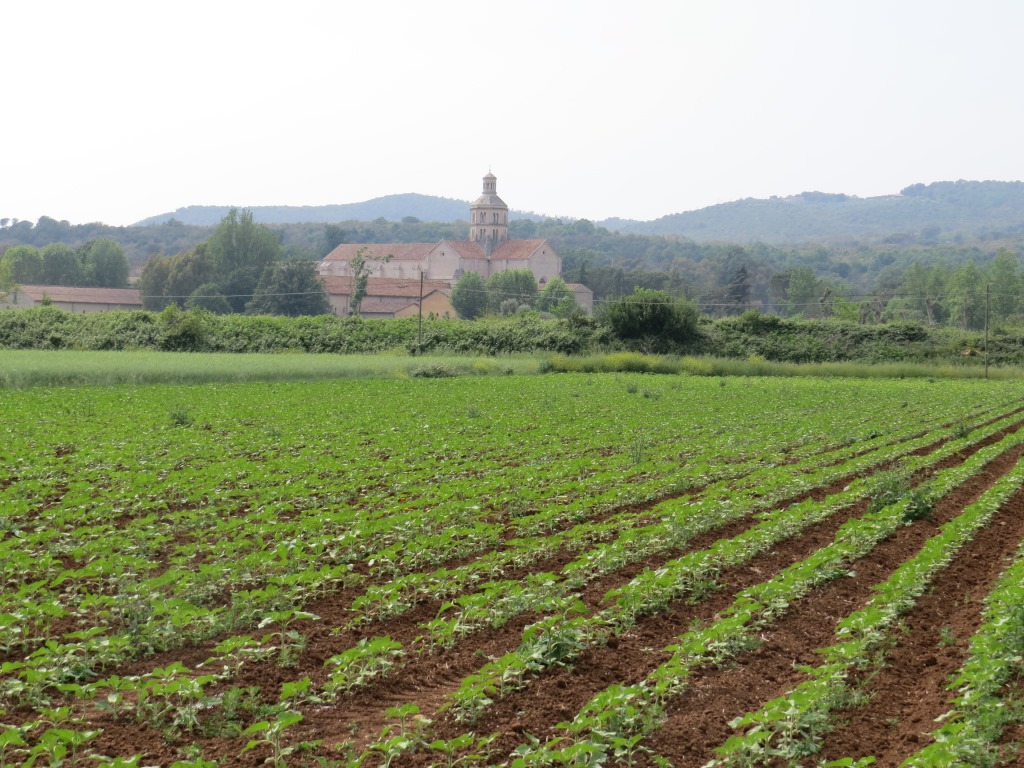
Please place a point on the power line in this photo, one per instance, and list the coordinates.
(711, 301)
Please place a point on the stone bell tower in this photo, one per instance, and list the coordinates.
(488, 217)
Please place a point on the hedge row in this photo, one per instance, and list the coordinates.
(197, 331)
(750, 335)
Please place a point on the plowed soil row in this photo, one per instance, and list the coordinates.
(428, 679)
(698, 721)
(334, 609)
(910, 691)
(560, 693)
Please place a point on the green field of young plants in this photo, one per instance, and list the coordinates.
(560, 570)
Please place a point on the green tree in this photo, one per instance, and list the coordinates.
(6, 281)
(911, 304)
(334, 236)
(557, 298)
(361, 266)
(240, 286)
(936, 293)
(291, 288)
(738, 289)
(832, 299)
(1004, 277)
(153, 283)
(238, 242)
(656, 318)
(61, 265)
(920, 295)
(104, 264)
(801, 293)
(208, 297)
(469, 296)
(188, 271)
(517, 285)
(25, 264)
(966, 297)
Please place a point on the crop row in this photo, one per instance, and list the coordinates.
(143, 524)
(626, 712)
(278, 569)
(651, 589)
(791, 726)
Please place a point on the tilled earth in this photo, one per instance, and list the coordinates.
(902, 700)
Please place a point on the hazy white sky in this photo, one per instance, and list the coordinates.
(115, 111)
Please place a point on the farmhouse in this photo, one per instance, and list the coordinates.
(72, 298)
(487, 251)
(389, 298)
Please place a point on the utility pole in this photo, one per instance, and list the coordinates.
(419, 343)
(988, 291)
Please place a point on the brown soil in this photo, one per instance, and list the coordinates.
(905, 697)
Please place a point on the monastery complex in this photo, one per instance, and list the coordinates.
(403, 279)
(396, 268)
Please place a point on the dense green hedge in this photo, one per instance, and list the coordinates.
(197, 331)
(750, 335)
(825, 341)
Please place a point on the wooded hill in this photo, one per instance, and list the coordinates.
(965, 209)
(391, 208)
(957, 208)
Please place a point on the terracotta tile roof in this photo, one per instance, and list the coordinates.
(397, 251)
(384, 305)
(390, 287)
(517, 249)
(80, 295)
(467, 249)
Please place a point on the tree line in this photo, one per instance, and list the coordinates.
(99, 263)
(240, 268)
(511, 292)
(966, 297)
(854, 281)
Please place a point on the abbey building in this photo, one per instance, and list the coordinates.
(487, 251)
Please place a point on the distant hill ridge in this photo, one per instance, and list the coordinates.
(971, 207)
(390, 207)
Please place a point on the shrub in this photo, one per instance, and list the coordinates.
(182, 331)
(435, 371)
(756, 322)
(657, 318)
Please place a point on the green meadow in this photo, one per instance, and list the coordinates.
(34, 368)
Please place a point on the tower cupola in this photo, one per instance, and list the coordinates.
(488, 217)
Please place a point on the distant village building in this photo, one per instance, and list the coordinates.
(390, 297)
(72, 298)
(584, 297)
(488, 251)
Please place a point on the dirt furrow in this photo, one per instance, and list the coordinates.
(697, 721)
(910, 690)
(560, 693)
(428, 679)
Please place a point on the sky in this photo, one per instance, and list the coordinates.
(115, 111)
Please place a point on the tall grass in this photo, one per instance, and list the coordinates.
(756, 366)
(31, 368)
